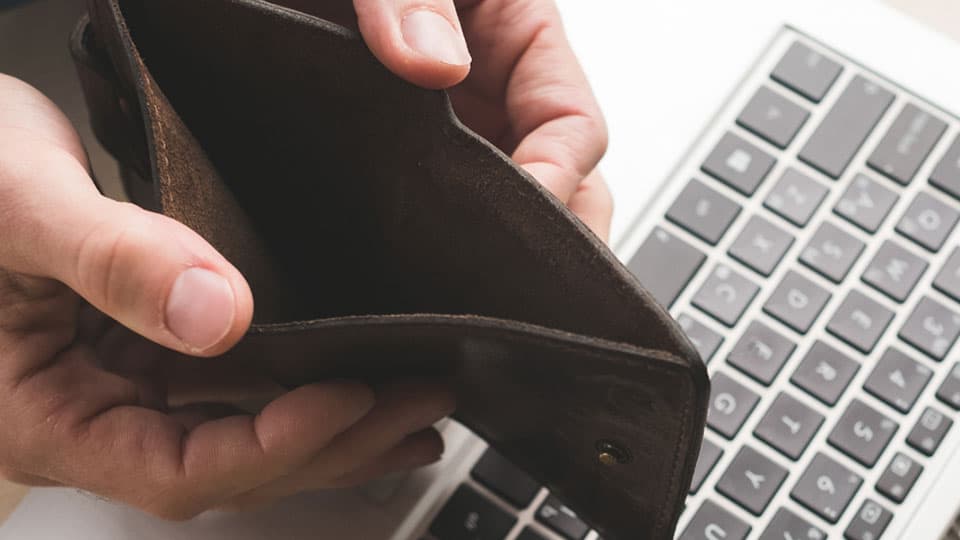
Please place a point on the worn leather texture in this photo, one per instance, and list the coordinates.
(382, 238)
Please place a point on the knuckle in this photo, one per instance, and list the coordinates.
(105, 261)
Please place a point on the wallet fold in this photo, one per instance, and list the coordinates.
(382, 238)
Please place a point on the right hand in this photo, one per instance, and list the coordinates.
(102, 304)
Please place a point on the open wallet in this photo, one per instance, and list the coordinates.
(383, 239)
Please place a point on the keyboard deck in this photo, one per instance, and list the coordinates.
(808, 246)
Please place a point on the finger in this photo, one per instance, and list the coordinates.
(149, 272)
(23, 479)
(402, 408)
(593, 204)
(419, 40)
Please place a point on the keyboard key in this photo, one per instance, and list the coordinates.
(947, 174)
(948, 280)
(761, 352)
(561, 519)
(703, 212)
(713, 523)
(860, 321)
(469, 516)
(826, 487)
(709, 456)
(949, 391)
(825, 373)
(894, 271)
(789, 425)
(761, 245)
(897, 380)
(907, 144)
(796, 302)
(842, 132)
(730, 405)
(831, 252)
(725, 295)
(869, 523)
(796, 197)
(928, 221)
(866, 203)
(932, 328)
(806, 72)
(786, 525)
(926, 436)
(898, 478)
(773, 117)
(751, 480)
(862, 433)
(738, 163)
(664, 264)
(705, 340)
(505, 479)
(529, 534)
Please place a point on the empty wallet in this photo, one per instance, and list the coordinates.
(382, 238)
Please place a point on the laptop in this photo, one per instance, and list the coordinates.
(787, 183)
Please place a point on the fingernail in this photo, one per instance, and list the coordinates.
(200, 308)
(431, 34)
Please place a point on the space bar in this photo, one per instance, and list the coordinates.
(664, 264)
(841, 133)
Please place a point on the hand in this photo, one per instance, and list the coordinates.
(106, 308)
(525, 92)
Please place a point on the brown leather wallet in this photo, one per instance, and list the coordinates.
(383, 238)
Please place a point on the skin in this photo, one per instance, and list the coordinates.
(97, 392)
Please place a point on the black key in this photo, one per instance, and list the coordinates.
(948, 280)
(725, 295)
(761, 245)
(786, 525)
(751, 480)
(773, 117)
(708, 458)
(789, 426)
(926, 436)
(898, 478)
(842, 132)
(894, 271)
(730, 405)
(831, 252)
(761, 352)
(714, 523)
(664, 264)
(860, 321)
(469, 516)
(703, 211)
(825, 373)
(705, 340)
(932, 328)
(561, 519)
(907, 144)
(897, 380)
(806, 72)
(826, 487)
(529, 534)
(947, 174)
(949, 391)
(795, 197)
(862, 433)
(797, 302)
(738, 163)
(505, 479)
(866, 203)
(869, 523)
(928, 221)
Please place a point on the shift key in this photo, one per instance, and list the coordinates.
(664, 264)
(841, 133)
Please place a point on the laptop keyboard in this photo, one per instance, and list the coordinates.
(812, 258)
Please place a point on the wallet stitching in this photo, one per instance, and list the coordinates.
(678, 454)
